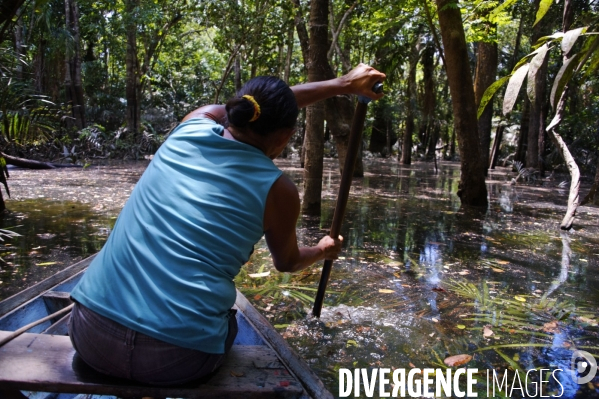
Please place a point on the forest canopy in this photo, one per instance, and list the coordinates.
(83, 79)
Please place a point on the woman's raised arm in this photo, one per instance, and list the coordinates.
(359, 80)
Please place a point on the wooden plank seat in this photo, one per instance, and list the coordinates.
(48, 363)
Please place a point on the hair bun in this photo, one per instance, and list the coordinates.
(240, 111)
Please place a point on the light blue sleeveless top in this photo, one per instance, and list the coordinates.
(189, 225)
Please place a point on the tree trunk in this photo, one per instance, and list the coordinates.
(590, 197)
(406, 148)
(289, 54)
(302, 33)
(381, 136)
(19, 47)
(73, 84)
(318, 68)
(132, 82)
(486, 71)
(472, 188)
(520, 155)
(429, 101)
(536, 124)
(339, 112)
(515, 54)
(237, 73)
(496, 146)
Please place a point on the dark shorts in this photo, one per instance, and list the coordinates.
(116, 350)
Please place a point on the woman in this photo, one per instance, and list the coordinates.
(155, 304)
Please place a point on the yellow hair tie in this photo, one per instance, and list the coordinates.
(256, 106)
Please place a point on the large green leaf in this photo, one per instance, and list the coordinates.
(543, 8)
(489, 93)
(570, 38)
(535, 64)
(563, 77)
(513, 88)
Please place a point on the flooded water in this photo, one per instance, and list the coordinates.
(419, 279)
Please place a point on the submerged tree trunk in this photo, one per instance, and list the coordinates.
(317, 71)
(472, 188)
(73, 83)
(486, 70)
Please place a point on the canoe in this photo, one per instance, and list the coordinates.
(42, 364)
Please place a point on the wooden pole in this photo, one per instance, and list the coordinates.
(355, 137)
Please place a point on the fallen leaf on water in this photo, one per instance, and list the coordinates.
(351, 342)
(46, 263)
(457, 360)
(461, 326)
(496, 270)
(258, 275)
(385, 291)
(487, 332)
(237, 373)
(520, 298)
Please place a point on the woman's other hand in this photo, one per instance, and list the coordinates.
(330, 247)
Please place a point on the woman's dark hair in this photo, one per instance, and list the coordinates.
(278, 107)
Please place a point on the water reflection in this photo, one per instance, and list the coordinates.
(422, 279)
(52, 236)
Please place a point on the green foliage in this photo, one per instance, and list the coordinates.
(543, 8)
(528, 66)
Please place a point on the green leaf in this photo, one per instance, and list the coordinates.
(593, 65)
(495, 13)
(489, 93)
(543, 8)
(536, 62)
(513, 88)
(570, 38)
(563, 77)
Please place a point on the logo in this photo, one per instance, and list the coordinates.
(584, 366)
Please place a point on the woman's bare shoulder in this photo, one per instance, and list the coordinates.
(215, 112)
